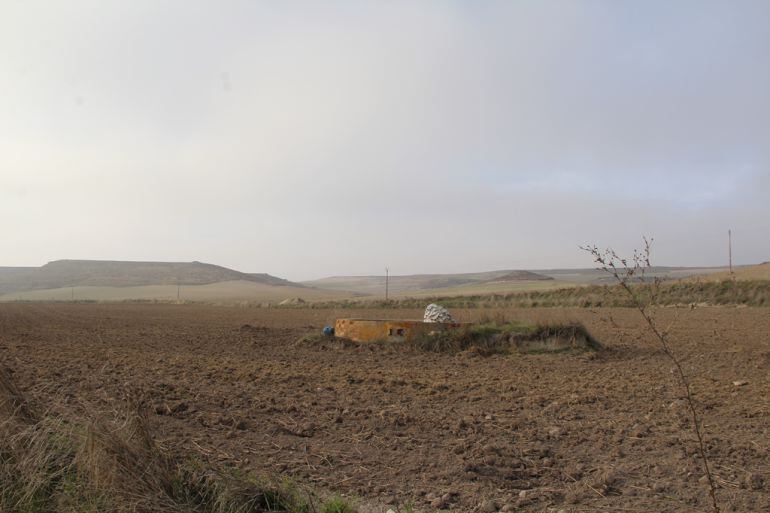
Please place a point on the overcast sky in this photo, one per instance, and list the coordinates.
(307, 139)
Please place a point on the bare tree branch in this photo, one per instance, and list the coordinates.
(625, 273)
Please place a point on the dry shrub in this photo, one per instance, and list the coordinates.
(628, 271)
(487, 339)
(554, 337)
(34, 459)
(125, 459)
(35, 453)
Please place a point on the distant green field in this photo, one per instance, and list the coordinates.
(746, 272)
(235, 291)
(228, 291)
(474, 289)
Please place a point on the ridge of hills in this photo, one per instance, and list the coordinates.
(134, 280)
(111, 273)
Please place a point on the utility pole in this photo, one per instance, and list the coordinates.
(730, 248)
(178, 286)
(387, 276)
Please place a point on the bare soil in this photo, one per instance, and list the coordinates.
(390, 425)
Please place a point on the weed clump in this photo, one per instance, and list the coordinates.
(487, 339)
(337, 505)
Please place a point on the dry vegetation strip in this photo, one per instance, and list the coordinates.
(701, 293)
(48, 464)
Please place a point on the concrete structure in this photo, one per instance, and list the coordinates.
(371, 330)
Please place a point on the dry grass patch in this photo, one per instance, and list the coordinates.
(50, 465)
(488, 339)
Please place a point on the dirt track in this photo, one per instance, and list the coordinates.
(536, 432)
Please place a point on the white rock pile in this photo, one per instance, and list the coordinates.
(436, 313)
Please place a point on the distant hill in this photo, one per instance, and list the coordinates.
(104, 273)
(520, 276)
(503, 281)
(11, 271)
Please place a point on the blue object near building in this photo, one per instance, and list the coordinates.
(328, 331)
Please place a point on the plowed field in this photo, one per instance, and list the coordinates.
(390, 426)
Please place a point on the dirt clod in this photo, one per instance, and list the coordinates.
(754, 481)
(487, 507)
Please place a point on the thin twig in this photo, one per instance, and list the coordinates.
(625, 274)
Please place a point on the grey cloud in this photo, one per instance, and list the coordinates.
(308, 139)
